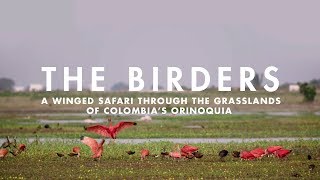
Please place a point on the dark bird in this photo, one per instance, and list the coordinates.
(197, 154)
(236, 154)
(47, 126)
(309, 157)
(223, 153)
(130, 152)
(60, 154)
(311, 167)
(72, 154)
(110, 131)
(164, 153)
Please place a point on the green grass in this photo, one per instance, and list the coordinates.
(41, 162)
(227, 126)
(19, 118)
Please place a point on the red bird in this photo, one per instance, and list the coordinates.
(109, 131)
(75, 151)
(96, 148)
(273, 149)
(281, 153)
(175, 155)
(3, 153)
(258, 152)
(247, 155)
(187, 149)
(144, 153)
(21, 147)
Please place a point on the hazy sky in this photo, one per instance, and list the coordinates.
(119, 34)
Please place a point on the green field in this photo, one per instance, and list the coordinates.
(227, 126)
(21, 114)
(40, 161)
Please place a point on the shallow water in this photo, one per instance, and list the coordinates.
(175, 140)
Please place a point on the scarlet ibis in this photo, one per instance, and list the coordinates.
(223, 153)
(3, 153)
(21, 147)
(188, 149)
(110, 131)
(273, 149)
(130, 152)
(76, 149)
(144, 153)
(175, 155)
(236, 154)
(258, 152)
(247, 155)
(197, 154)
(281, 153)
(75, 152)
(96, 149)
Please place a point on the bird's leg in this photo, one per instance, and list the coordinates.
(14, 142)
(8, 141)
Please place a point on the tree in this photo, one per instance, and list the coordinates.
(6, 84)
(309, 91)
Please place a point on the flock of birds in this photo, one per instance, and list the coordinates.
(186, 152)
(11, 147)
(111, 131)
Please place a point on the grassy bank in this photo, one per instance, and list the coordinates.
(228, 126)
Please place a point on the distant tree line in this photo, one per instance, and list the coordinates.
(6, 84)
(315, 82)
